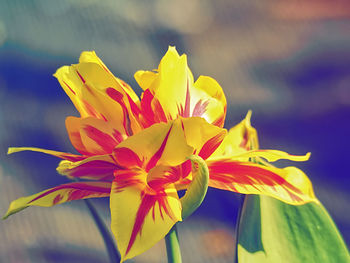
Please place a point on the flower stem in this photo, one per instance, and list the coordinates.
(242, 203)
(173, 246)
(112, 250)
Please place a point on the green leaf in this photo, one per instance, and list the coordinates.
(272, 231)
(197, 190)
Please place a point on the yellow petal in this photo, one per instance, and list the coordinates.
(208, 101)
(271, 155)
(73, 125)
(98, 136)
(145, 78)
(91, 57)
(89, 85)
(240, 138)
(170, 84)
(62, 155)
(175, 94)
(140, 220)
(202, 136)
(162, 143)
(61, 194)
(289, 184)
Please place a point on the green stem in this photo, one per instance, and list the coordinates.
(240, 209)
(112, 250)
(173, 246)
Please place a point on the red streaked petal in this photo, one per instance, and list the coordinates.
(99, 167)
(162, 143)
(127, 158)
(60, 194)
(73, 125)
(202, 136)
(139, 219)
(289, 184)
(98, 136)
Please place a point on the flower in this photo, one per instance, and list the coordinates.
(137, 151)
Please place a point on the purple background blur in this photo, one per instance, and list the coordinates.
(288, 61)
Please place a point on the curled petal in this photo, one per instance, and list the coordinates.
(62, 155)
(208, 101)
(140, 219)
(61, 194)
(100, 167)
(289, 184)
(240, 138)
(202, 136)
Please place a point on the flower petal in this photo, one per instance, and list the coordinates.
(99, 167)
(62, 155)
(202, 136)
(140, 219)
(89, 85)
(73, 125)
(170, 92)
(271, 155)
(289, 184)
(98, 136)
(208, 101)
(170, 85)
(60, 194)
(240, 138)
(161, 143)
(91, 57)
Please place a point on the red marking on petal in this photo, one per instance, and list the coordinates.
(69, 88)
(127, 158)
(200, 108)
(152, 110)
(96, 169)
(220, 120)
(187, 102)
(134, 108)
(118, 97)
(126, 178)
(146, 108)
(90, 110)
(104, 140)
(117, 135)
(161, 181)
(80, 76)
(57, 199)
(211, 145)
(148, 202)
(153, 161)
(185, 111)
(115, 95)
(77, 191)
(225, 173)
(71, 157)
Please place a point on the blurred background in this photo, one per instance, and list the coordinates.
(287, 60)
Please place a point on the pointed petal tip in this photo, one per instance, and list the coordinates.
(11, 150)
(248, 116)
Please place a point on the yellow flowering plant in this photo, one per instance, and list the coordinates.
(141, 152)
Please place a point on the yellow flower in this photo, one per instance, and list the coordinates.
(137, 150)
